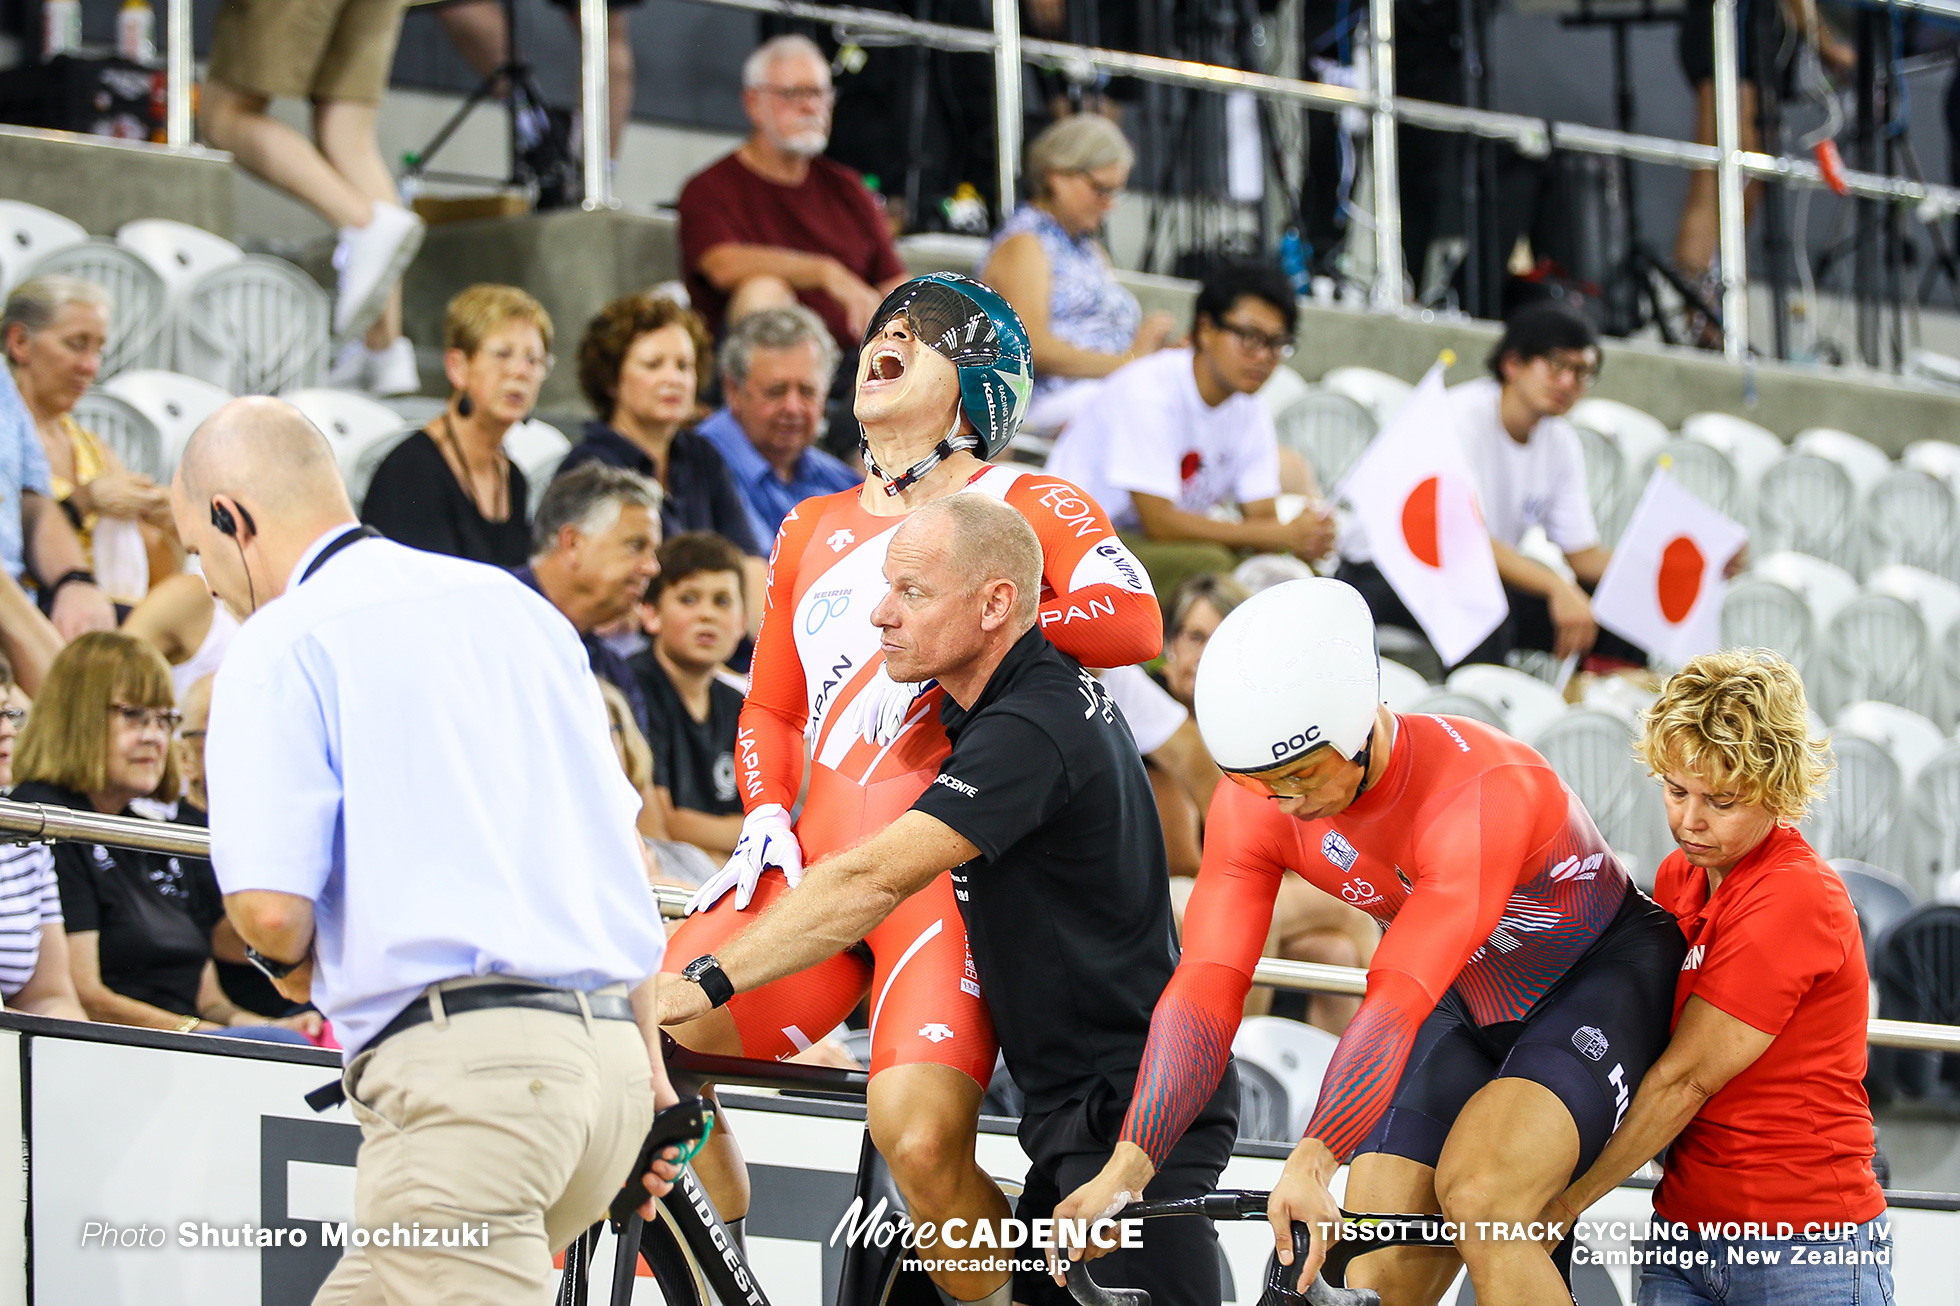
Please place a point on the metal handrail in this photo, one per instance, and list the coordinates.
(43, 822)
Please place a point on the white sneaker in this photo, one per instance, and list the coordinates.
(370, 261)
(392, 371)
(350, 366)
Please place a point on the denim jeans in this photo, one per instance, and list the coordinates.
(1851, 1268)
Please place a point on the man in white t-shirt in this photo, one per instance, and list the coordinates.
(1530, 471)
(1182, 431)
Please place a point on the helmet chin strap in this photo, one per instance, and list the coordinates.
(905, 480)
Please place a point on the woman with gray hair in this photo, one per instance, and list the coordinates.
(54, 329)
(1047, 263)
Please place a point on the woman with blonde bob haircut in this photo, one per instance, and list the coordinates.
(1759, 1097)
(139, 924)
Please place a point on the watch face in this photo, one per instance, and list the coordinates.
(700, 966)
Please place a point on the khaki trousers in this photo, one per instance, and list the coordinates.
(508, 1129)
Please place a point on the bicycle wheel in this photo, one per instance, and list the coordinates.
(675, 1272)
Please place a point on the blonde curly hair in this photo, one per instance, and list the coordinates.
(1739, 720)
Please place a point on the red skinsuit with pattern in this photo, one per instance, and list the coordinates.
(1492, 873)
(817, 668)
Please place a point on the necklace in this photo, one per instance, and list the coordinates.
(499, 500)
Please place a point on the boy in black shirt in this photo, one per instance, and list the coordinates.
(695, 610)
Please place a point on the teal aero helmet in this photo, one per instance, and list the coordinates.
(978, 332)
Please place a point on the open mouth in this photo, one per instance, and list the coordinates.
(887, 364)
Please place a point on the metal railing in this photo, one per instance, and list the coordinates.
(42, 823)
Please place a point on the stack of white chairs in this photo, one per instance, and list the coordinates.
(1704, 471)
(1752, 449)
(29, 233)
(1592, 751)
(361, 430)
(1876, 646)
(1808, 503)
(257, 326)
(1378, 392)
(1761, 612)
(1527, 704)
(1328, 429)
(175, 405)
(137, 300)
(179, 253)
(1912, 516)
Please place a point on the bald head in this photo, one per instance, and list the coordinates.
(257, 485)
(984, 541)
(264, 453)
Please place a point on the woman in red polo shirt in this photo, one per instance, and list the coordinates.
(1761, 1090)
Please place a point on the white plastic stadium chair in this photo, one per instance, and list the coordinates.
(1620, 696)
(1526, 702)
(1912, 517)
(1752, 448)
(1825, 586)
(1443, 702)
(1758, 612)
(1291, 1059)
(537, 448)
(1912, 739)
(1703, 470)
(175, 404)
(1947, 659)
(1403, 688)
(1936, 597)
(1606, 484)
(1934, 839)
(1378, 392)
(1864, 462)
(1592, 751)
(179, 252)
(28, 233)
(1863, 801)
(1875, 647)
(361, 430)
(1939, 459)
(1639, 435)
(125, 429)
(1808, 503)
(136, 300)
(256, 327)
(1327, 429)
(1283, 387)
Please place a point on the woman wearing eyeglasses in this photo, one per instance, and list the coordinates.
(450, 488)
(1048, 262)
(34, 974)
(138, 923)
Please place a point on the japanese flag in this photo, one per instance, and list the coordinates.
(1415, 498)
(1663, 588)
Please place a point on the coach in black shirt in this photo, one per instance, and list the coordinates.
(1044, 815)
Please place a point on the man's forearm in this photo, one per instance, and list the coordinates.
(277, 925)
(729, 265)
(1172, 524)
(1520, 572)
(835, 906)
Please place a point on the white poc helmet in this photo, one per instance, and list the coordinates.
(1292, 669)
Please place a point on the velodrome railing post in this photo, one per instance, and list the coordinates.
(595, 102)
(1388, 174)
(1007, 100)
(179, 74)
(1730, 217)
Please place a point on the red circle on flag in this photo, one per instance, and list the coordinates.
(1679, 582)
(1419, 524)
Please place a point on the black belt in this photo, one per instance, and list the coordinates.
(480, 997)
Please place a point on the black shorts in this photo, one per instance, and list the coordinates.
(1589, 1040)
(1179, 1262)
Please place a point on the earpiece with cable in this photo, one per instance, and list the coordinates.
(226, 524)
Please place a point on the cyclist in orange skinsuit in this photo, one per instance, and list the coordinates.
(817, 679)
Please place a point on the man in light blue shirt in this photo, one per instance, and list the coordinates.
(34, 531)
(776, 366)
(420, 823)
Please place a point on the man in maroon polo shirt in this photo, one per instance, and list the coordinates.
(777, 221)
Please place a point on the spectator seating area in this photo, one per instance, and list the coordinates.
(185, 300)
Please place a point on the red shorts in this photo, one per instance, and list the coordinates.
(925, 995)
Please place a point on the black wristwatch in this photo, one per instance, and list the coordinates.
(274, 968)
(714, 982)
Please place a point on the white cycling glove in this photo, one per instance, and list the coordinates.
(766, 841)
(883, 706)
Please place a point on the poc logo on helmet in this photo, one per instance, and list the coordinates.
(1298, 743)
